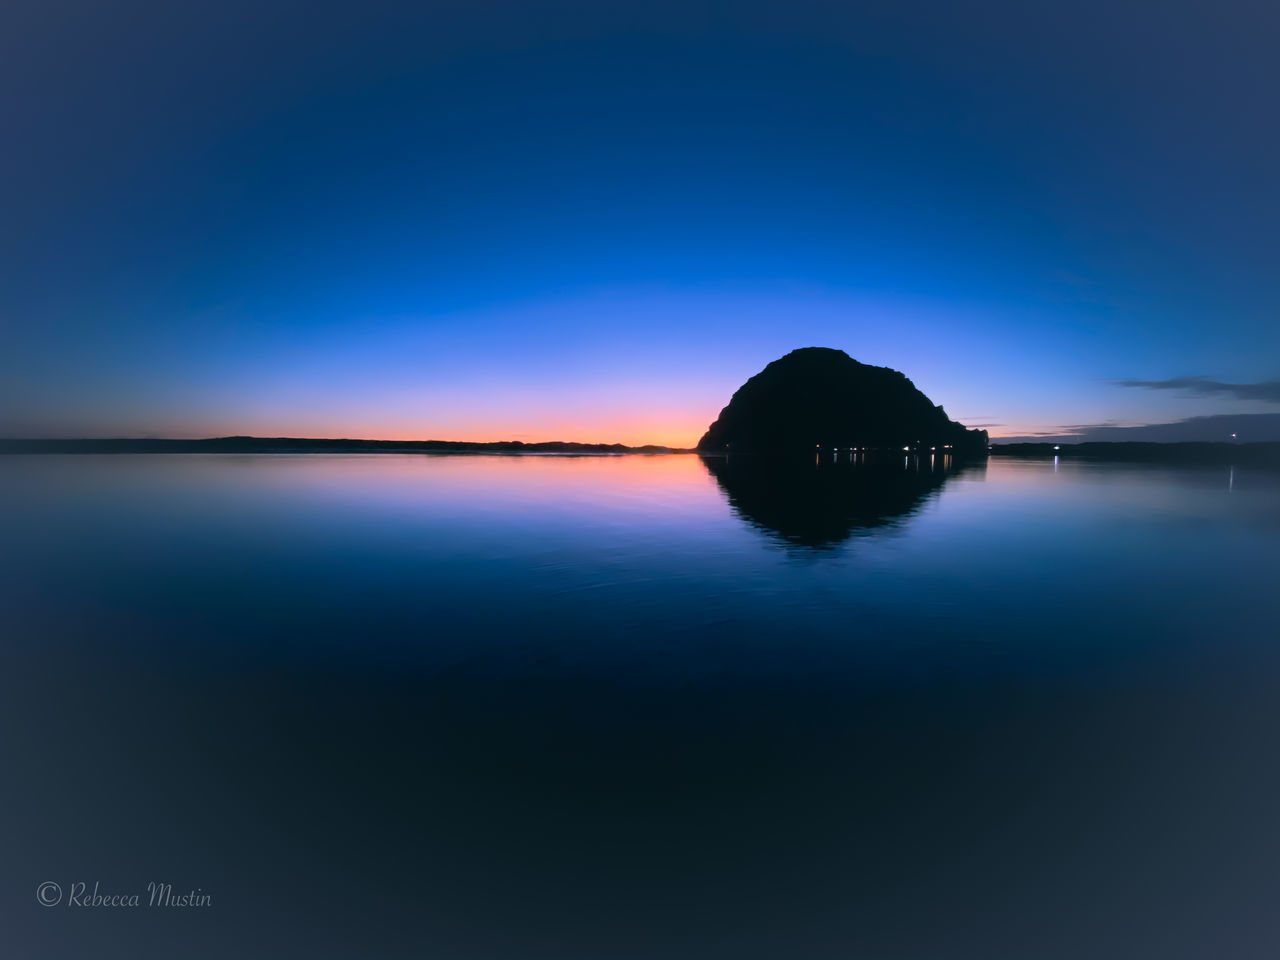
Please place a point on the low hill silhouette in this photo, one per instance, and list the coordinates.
(317, 445)
(1244, 454)
(820, 397)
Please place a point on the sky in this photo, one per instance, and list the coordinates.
(536, 220)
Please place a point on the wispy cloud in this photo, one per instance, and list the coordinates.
(1268, 391)
(1104, 425)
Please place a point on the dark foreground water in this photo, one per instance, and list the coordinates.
(525, 707)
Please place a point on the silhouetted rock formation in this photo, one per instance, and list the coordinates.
(821, 501)
(818, 397)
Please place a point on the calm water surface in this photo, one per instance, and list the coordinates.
(649, 707)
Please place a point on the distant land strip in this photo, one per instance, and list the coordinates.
(1257, 454)
(314, 445)
(1253, 454)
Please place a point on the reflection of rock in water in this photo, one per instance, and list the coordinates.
(821, 502)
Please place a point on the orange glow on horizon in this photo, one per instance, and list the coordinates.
(632, 432)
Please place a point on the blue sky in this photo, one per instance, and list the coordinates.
(593, 222)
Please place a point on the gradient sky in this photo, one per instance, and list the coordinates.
(490, 220)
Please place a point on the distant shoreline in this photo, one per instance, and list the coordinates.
(1263, 454)
(1188, 452)
(319, 445)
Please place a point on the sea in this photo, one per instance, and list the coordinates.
(515, 707)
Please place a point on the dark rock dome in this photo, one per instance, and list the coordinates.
(819, 397)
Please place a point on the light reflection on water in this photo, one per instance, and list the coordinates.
(519, 707)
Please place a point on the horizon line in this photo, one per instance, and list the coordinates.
(1019, 440)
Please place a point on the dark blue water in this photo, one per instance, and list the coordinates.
(523, 707)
